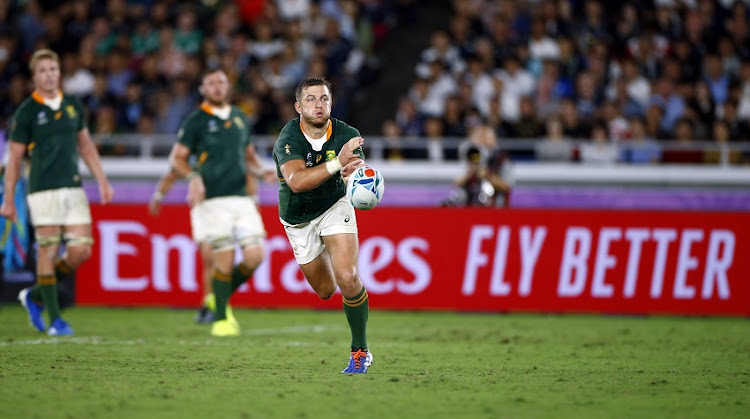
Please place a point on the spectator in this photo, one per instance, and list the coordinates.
(102, 36)
(516, 83)
(30, 26)
(721, 154)
(618, 126)
(392, 150)
(441, 50)
(541, 46)
(303, 46)
(439, 86)
(187, 37)
(739, 130)
(684, 150)
(551, 89)
(554, 147)
(78, 24)
(672, 104)
(407, 118)
(98, 98)
(637, 86)
(528, 125)
(453, 118)
(587, 100)
(703, 107)
(265, 42)
(640, 149)
(716, 79)
(619, 96)
(76, 79)
(130, 108)
(145, 39)
(573, 126)
(689, 58)
(434, 132)
(599, 150)
(481, 83)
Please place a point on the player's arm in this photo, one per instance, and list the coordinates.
(90, 156)
(301, 178)
(162, 188)
(12, 172)
(254, 170)
(498, 183)
(178, 159)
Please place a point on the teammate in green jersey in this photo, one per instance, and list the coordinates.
(226, 168)
(314, 155)
(51, 128)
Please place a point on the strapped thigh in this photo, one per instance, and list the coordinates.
(48, 240)
(72, 239)
(251, 241)
(222, 243)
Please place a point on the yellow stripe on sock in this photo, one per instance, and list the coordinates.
(46, 279)
(355, 303)
(221, 276)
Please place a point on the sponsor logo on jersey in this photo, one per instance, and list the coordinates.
(309, 162)
(58, 115)
(212, 127)
(41, 118)
(71, 110)
(287, 149)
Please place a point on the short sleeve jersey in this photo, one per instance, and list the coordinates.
(296, 208)
(51, 139)
(218, 146)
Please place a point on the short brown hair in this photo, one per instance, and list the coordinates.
(42, 54)
(312, 81)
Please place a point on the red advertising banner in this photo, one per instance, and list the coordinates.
(453, 259)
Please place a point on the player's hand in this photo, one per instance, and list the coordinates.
(154, 207)
(196, 191)
(8, 210)
(106, 193)
(350, 167)
(347, 152)
(269, 176)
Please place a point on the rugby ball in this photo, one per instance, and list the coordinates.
(365, 188)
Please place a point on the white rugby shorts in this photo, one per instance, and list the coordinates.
(227, 217)
(59, 207)
(307, 238)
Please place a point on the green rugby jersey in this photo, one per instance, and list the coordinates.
(219, 148)
(296, 208)
(51, 139)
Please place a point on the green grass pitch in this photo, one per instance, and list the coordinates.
(157, 363)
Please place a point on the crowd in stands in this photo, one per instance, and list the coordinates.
(592, 80)
(136, 64)
(589, 80)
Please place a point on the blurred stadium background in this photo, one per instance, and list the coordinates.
(639, 106)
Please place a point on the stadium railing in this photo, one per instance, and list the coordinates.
(139, 156)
